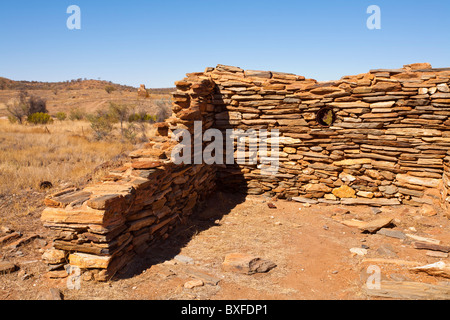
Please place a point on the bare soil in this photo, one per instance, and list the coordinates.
(310, 247)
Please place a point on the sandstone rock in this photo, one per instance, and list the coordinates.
(246, 264)
(391, 233)
(344, 192)
(346, 177)
(390, 190)
(375, 225)
(53, 215)
(305, 200)
(425, 182)
(379, 202)
(20, 242)
(365, 194)
(52, 294)
(437, 254)
(358, 251)
(319, 187)
(9, 237)
(206, 278)
(330, 196)
(443, 87)
(89, 261)
(351, 162)
(326, 90)
(57, 274)
(387, 250)
(67, 197)
(184, 259)
(142, 92)
(258, 74)
(427, 210)
(54, 256)
(7, 267)
(417, 66)
(193, 284)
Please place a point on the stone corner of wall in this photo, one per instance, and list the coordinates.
(386, 144)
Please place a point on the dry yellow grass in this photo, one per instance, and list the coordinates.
(87, 100)
(59, 152)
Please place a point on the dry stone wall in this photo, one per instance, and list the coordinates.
(100, 228)
(380, 138)
(386, 145)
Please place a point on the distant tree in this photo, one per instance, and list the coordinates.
(17, 110)
(120, 112)
(18, 107)
(36, 105)
(110, 89)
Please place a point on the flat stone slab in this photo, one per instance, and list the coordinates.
(7, 267)
(378, 202)
(375, 225)
(391, 233)
(246, 264)
(305, 200)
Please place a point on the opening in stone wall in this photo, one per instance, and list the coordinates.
(326, 116)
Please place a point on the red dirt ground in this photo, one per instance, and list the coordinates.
(309, 245)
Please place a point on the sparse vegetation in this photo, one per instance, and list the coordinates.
(110, 89)
(26, 106)
(141, 116)
(164, 109)
(76, 114)
(40, 118)
(17, 107)
(120, 112)
(30, 155)
(36, 105)
(102, 123)
(61, 116)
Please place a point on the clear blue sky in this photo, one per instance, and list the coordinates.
(158, 42)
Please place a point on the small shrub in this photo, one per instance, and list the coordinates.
(164, 109)
(76, 114)
(40, 118)
(110, 89)
(120, 113)
(102, 124)
(142, 117)
(130, 132)
(61, 116)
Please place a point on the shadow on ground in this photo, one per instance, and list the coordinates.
(214, 208)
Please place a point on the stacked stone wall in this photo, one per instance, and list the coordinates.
(379, 138)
